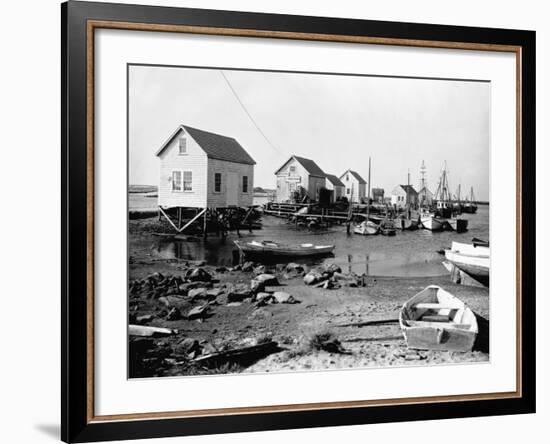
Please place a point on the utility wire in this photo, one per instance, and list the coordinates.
(248, 114)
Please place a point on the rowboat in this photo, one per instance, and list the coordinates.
(270, 248)
(430, 222)
(366, 228)
(471, 259)
(405, 223)
(434, 319)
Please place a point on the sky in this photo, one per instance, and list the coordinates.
(339, 121)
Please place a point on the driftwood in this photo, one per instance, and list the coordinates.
(239, 355)
(371, 322)
(143, 330)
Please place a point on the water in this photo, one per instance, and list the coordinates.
(408, 253)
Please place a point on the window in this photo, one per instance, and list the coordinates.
(217, 182)
(245, 184)
(347, 178)
(176, 181)
(187, 181)
(292, 169)
(183, 146)
(347, 190)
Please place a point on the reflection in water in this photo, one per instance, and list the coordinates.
(409, 253)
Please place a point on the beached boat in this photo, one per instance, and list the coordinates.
(434, 319)
(270, 248)
(471, 259)
(366, 228)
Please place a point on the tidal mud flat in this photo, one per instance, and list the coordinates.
(276, 318)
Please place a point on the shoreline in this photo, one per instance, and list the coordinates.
(235, 318)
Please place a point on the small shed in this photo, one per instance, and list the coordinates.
(336, 186)
(301, 175)
(403, 195)
(355, 186)
(200, 169)
(378, 195)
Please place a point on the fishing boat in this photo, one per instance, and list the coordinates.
(434, 319)
(366, 227)
(470, 206)
(471, 259)
(270, 248)
(387, 228)
(406, 223)
(432, 223)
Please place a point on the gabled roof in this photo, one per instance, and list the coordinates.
(214, 145)
(408, 189)
(309, 165)
(334, 180)
(356, 175)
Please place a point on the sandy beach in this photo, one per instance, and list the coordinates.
(319, 330)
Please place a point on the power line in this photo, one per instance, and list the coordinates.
(248, 114)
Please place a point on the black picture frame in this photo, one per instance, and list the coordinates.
(76, 423)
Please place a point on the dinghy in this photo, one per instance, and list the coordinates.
(270, 248)
(366, 228)
(434, 319)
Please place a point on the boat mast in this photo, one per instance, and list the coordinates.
(423, 190)
(368, 195)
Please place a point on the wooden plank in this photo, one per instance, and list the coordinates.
(432, 306)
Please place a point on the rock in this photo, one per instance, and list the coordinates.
(260, 269)
(284, 298)
(143, 319)
(238, 292)
(198, 312)
(247, 266)
(260, 313)
(312, 277)
(197, 293)
(214, 292)
(256, 286)
(294, 267)
(221, 269)
(332, 268)
(234, 304)
(267, 279)
(187, 346)
(199, 274)
(170, 301)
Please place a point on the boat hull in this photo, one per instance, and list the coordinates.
(277, 250)
(458, 334)
(366, 228)
(472, 262)
(458, 225)
(431, 223)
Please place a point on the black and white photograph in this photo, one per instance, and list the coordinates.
(293, 221)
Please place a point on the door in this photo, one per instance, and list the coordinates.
(232, 194)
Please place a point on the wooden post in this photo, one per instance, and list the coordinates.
(205, 220)
(179, 218)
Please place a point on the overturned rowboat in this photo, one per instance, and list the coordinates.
(434, 319)
(270, 248)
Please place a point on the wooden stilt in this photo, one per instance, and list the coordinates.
(204, 224)
(179, 217)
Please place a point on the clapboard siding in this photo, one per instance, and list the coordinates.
(300, 177)
(354, 190)
(195, 161)
(225, 168)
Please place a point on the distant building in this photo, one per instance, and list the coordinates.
(336, 186)
(425, 197)
(199, 169)
(302, 175)
(403, 195)
(378, 195)
(355, 186)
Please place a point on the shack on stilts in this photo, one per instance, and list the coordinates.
(205, 181)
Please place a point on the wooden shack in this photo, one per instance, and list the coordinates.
(200, 169)
(355, 186)
(336, 186)
(299, 176)
(404, 195)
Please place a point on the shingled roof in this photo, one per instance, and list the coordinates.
(356, 175)
(408, 189)
(334, 180)
(214, 145)
(309, 165)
